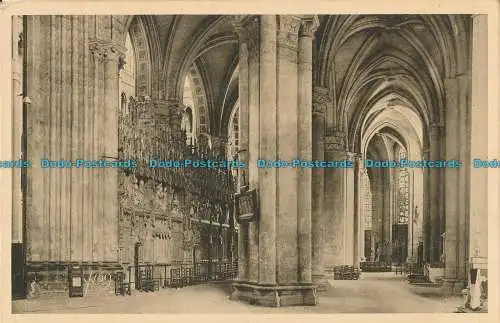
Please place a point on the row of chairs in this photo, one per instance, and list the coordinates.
(375, 266)
(346, 273)
(178, 276)
(201, 273)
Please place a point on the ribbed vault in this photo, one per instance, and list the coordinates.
(363, 59)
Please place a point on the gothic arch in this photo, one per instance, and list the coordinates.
(176, 72)
(200, 45)
(199, 99)
(145, 40)
(142, 55)
(374, 108)
(230, 100)
(402, 130)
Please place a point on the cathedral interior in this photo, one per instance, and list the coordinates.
(212, 87)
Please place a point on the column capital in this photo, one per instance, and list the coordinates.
(288, 27)
(239, 24)
(436, 125)
(218, 142)
(243, 51)
(320, 100)
(334, 140)
(251, 35)
(435, 129)
(107, 49)
(309, 25)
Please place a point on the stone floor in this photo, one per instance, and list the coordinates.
(373, 293)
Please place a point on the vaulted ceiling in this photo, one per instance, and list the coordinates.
(366, 59)
(361, 59)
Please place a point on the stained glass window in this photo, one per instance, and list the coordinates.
(403, 193)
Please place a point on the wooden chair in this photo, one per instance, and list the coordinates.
(188, 276)
(175, 277)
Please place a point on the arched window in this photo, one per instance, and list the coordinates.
(127, 74)
(404, 191)
(188, 120)
(233, 134)
(367, 199)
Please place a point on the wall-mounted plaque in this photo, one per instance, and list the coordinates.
(246, 206)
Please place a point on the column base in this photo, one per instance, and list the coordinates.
(321, 282)
(275, 295)
(452, 287)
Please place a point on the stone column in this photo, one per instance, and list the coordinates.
(339, 203)
(320, 100)
(17, 124)
(426, 226)
(252, 26)
(463, 179)
(451, 185)
(304, 225)
(478, 189)
(97, 152)
(87, 117)
(243, 125)
(276, 104)
(435, 198)
(267, 150)
(288, 131)
(76, 135)
(357, 223)
(111, 84)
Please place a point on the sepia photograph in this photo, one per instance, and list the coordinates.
(252, 163)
